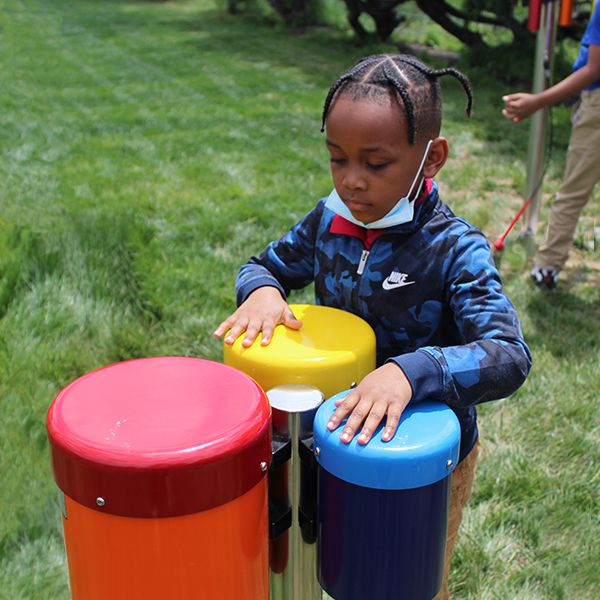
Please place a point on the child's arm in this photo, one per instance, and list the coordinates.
(491, 363)
(521, 105)
(492, 360)
(265, 281)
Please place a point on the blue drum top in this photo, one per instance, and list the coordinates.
(424, 449)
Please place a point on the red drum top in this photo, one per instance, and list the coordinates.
(159, 437)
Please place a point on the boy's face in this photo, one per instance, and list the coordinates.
(372, 162)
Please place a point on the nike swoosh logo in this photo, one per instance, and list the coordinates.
(386, 285)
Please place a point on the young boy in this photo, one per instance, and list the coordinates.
(384, 246)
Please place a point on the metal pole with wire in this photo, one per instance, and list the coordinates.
(542, 79)
(542, 19)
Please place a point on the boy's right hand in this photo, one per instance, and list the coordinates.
(260, 313)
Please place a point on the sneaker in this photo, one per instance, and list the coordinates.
(544, 277)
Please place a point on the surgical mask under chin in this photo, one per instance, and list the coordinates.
(402, 211)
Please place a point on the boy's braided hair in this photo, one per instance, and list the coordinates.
(404, 76)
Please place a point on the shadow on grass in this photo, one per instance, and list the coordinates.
(321, 53)
(565, 324)
(324, 53)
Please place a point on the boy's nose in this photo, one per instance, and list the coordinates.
(353, 180)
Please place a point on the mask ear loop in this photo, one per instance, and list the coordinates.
(412, 185)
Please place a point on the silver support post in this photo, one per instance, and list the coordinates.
(542, 77)
(292, 484)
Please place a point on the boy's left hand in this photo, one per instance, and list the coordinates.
(383, 392)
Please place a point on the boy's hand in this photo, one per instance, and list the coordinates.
(261, 312)
(520, 106)
(383, 392)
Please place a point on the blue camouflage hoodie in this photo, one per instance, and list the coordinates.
(428, 288)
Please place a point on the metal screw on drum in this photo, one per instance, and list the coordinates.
(100, 501)
(264, 466)
(449, 463)
(317, 451)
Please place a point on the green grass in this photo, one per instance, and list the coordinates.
(147, 149)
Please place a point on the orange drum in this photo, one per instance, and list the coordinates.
(163, 463)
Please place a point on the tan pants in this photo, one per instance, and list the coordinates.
(461, 485)
(582, 171)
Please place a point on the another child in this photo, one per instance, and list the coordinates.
(383, 246)
(582, 169)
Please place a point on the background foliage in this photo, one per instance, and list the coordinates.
(476, 23)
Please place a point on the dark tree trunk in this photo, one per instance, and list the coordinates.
(436, 10)
(383, 13)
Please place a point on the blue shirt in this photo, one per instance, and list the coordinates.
(428, 288)
(591, 37)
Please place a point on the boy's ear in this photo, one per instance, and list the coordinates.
(438, 153)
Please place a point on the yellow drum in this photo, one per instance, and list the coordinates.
(332, 350)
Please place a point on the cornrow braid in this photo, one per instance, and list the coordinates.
(346, 77)
(463, 79)
(407, 79)
(401, 89)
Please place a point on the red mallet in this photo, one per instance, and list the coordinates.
(499, 243)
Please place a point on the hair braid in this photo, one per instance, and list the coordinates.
(350, 75)
(435, 73)
(332, 90)
(415, 83)
(464, 82)
(402, 91)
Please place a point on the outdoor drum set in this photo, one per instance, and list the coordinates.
(184, 478)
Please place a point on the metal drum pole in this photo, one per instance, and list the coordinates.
(293, 494)
(544, 58)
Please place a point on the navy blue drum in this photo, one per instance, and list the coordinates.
(383, 507)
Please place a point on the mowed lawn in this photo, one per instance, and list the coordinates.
(146, 150)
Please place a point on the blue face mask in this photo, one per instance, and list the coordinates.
(402, 211)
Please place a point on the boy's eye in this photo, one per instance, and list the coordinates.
(377, 166)
(336, 161)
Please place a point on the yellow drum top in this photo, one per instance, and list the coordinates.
(331, 350)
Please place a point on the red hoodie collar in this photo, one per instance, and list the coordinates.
(368, 236)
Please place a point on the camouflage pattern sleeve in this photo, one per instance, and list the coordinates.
(493, 360)
(286, 264)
